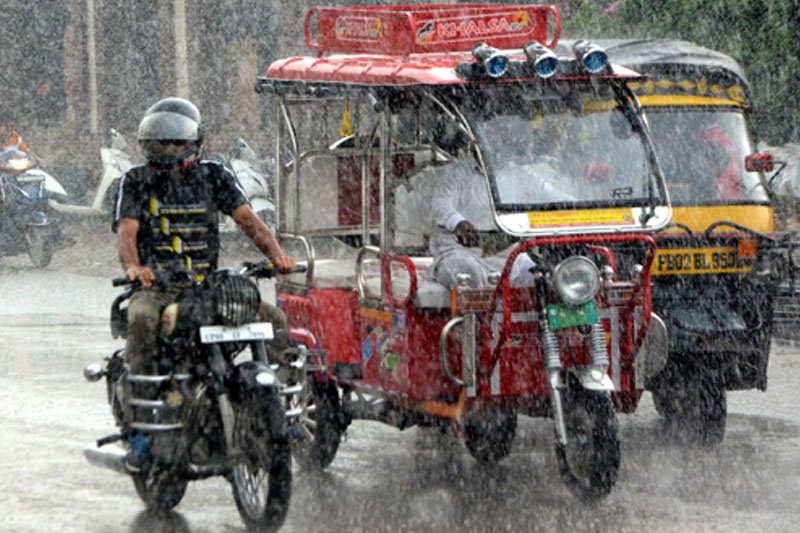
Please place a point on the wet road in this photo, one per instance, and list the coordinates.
(53, 322)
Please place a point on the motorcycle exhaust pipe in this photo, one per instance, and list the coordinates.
(109, 456)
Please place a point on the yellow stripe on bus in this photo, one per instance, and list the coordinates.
(684, 100)
(698, 218)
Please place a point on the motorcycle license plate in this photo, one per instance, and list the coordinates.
(568, 316)
(257, 331)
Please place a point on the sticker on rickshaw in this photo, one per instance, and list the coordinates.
(588, 217)
(561, 315)
(720, 260)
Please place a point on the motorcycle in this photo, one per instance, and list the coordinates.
(209, 408)
(116, 161)
(256, 179)
(25, 219)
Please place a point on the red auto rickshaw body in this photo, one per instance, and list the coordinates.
(386, 341)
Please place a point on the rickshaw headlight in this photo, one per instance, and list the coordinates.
(593, 58)
(576, 280)
(542, 59)
(494, 62)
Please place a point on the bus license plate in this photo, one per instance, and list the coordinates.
(672, 261)
(567, 316)
(257, 331)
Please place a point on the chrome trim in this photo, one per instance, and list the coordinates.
(443, 350)
(155, 427)
(362, 252)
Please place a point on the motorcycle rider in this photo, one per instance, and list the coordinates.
(10, 139)
(166, 212)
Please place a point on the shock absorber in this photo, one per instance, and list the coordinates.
(552, 364)
(598, 348)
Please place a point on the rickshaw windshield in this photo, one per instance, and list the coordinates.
(548, 151)
(702, 155)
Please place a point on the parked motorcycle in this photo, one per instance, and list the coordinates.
(209, 408)
(116, 161)
(26, 224)
(255, 176)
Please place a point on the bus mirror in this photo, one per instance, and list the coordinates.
(759, 163)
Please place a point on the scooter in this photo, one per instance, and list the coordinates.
(25, 221)
(255, 176)
(116, 161)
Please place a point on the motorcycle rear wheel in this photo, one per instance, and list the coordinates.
(158, 494)
(262, 481)
(40, 245)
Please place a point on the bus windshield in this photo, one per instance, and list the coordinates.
(702, 155)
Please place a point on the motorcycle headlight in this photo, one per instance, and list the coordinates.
(236, 300)
(576, 280)
(19, 163)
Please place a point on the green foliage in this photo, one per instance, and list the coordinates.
(762, 35)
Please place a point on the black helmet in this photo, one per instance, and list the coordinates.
(171, 119)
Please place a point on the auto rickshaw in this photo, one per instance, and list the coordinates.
(363, 130)
(720, 260)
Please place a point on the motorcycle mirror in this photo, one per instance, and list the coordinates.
(93, 372)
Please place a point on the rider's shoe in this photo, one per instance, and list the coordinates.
(138, 458)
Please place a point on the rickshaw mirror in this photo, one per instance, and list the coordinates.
(759, 163)
(620, 125)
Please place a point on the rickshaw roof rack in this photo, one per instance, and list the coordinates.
(437, 44)
(420, 29)
(692, 69)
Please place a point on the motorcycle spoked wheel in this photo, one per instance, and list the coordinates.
(40, 245)
(262, 480)
(318, 426)
(589, 463)
(489, 434)
(158, 490)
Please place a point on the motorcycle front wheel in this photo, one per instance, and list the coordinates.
(40, 245)
(589, 463)
(262, 480)
(158, 493)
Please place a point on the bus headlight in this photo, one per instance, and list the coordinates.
(576, 280)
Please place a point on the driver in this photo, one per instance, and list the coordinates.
(166, 213)
(461, 208)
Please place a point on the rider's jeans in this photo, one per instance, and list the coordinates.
(144, 319)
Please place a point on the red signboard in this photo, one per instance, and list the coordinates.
(413, 29)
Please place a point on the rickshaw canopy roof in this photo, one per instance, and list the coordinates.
(680, 67)
(416, 44)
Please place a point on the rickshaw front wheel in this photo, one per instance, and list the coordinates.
(489, 434)
(589, 462)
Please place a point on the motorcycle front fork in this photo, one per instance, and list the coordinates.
(595, 377)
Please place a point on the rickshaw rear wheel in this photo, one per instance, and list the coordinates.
(319, 426)
(589, 463)
(489, 434)
(693, 404)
